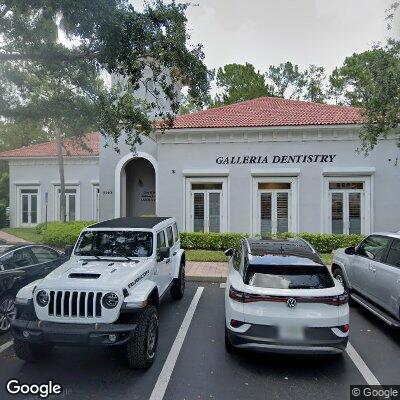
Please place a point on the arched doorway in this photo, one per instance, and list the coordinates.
(137, 188)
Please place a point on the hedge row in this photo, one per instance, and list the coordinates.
(3, 217)
(60, 234)
(322, 242)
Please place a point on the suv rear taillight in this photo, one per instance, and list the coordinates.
(243, 297)
(236, 295)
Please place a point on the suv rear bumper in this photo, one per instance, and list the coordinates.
(319, 343)
(64, 334)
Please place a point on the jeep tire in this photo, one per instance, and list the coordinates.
(141, 350)
(178, 286)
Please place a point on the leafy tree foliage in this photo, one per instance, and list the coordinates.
(336, 89)
(314, 87)
(56, 83)
(373, 83)
(15, 135)
(239, 82)
(287, 80)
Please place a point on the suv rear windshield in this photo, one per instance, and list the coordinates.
(115, 244)
(289, 277)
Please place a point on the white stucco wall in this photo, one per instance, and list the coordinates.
(198, 150)
(43, 173)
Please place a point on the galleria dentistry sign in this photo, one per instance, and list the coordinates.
(277, 159)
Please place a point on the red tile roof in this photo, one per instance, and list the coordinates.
(49, 149)
(270, 111)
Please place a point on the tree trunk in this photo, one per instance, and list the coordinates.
(60, 158)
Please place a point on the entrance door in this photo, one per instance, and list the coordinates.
(346, 209)
(29, 207)
(274, 211)
(206, 210)
(70, 204)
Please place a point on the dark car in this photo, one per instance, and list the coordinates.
(20, 265)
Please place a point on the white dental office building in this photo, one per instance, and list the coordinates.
(262, 166)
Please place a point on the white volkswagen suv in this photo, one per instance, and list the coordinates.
(280, 297)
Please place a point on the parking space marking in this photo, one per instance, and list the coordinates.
(5, 346)
(222, 285)
(166, 372)
(369, 377)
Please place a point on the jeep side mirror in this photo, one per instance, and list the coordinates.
(350, 250)
(230, 252)
(68, 251)
(163, 253)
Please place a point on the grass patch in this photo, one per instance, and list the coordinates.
(327, 258)
(206, 255)
(28, 234)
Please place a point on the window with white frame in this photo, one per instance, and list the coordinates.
(206, 204)
(274, 205)
(28, 202)
(72, 203)
(347, 205)
(96, 202)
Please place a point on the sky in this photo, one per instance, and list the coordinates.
(269, 32)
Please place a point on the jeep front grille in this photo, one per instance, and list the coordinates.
(69, 303)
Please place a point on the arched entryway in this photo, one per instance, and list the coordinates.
(136, 186)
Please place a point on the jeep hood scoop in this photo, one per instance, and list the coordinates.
(82, 275)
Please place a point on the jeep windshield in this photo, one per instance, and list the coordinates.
(115, 244)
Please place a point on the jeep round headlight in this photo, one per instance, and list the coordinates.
(42, 298)
(110, 300)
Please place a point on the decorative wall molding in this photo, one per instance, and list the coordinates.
(53, 161)
(348, 171)
(205, 172)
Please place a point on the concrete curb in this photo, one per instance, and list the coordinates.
(213, 279)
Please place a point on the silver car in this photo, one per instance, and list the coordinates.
(370, 272)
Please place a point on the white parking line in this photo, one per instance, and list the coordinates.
(362, 367)
(222, 285)
(165, 374)
(5, 346)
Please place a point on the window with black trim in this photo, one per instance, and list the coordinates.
(374, 247)
(170, 236)
(393, 257)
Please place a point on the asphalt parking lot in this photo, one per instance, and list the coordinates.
(192, 363)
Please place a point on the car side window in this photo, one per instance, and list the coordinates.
(170, 236)
(160, 241)
(20, 258)
(44, 254)
(374, 247)
(393, 257)
(242, 260)
(176, 232)
(237, 258)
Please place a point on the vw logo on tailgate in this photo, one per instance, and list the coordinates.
(291, 302)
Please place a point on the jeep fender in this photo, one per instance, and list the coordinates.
(335, 265)
(179, 257)
(142, 292)
(26, 292)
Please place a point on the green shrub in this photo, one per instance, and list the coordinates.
(209, 241)
(322, 242)
(3, 218)
(61, 234)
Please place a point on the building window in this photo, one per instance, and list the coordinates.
(96, 203)
(274, 205)
(28, 206)
(72, 203)
(206, 204)
(347, 205)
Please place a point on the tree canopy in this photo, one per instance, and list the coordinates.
(239, 82)
(55, 81)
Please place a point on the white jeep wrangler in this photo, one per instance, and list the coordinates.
(107, 294)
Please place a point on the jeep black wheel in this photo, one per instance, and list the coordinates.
(7, 313)
(141, 350)
(31, 352)
(178, 287)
